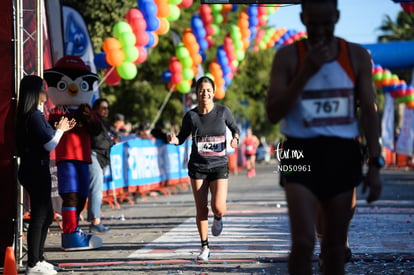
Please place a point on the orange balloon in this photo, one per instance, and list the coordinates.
(243, 24)
(189, 38)
(163, 8)
(220, 93)
(111, 44)
(115, 57)
(219, 81)
(197, 58)
(246, 43)
(226, 8)
(156, 40)
(245, 33)
(243, 15)
(164, 26)
(195, 69)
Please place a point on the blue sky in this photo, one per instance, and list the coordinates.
(359, 22)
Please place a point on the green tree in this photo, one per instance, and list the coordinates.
(400, 30)
(140, 99)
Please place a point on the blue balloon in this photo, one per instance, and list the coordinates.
(253, 21)
(203, 54)
(203, 44)
(227, 80)
(196, 22)
(166, 76)
(153, 23)
(151, 40)
(100, 61)
(252, 11)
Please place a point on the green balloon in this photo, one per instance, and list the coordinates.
(127, 70)
(186, 62)
(216, 28)
(218, 18)
(174, 13)
(181, 52)
(184, 87)
(127, 39)
(240, 55)
(174, 2)
(238, 44)
(121, 27)
(377, 77)
(131, 53)
(187, 74)
(216, 8)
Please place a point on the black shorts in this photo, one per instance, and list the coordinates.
(209, 174)
(327, 166)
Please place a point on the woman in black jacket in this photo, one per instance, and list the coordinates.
(35, 139)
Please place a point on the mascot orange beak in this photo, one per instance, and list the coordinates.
(73, 89)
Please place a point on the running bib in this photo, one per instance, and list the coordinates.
(327, 107)
(211, 146)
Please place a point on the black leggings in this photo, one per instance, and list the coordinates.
(37, 182)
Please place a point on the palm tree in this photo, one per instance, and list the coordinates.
(402, 29)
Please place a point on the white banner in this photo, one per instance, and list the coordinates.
(405, 142)
(387, 125)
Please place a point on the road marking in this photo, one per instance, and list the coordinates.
(261, 234)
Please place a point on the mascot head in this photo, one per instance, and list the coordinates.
(70, 82)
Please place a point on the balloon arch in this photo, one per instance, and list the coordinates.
(142, 26)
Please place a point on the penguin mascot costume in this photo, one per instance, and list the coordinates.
(70, 89)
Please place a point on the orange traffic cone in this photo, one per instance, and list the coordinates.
(10, 267)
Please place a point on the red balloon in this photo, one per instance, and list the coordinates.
(142, 38)
(138, 24)
(176, 78)
(143, 55)
(133, 14)
(176, 67)
(185, 4)
(112, 77)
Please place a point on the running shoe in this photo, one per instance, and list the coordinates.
(80, 240)
(40, 269)
(99, 228)
(217, 227)
(49, 265)
(204, 254)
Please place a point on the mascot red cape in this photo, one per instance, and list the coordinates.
(70, 88)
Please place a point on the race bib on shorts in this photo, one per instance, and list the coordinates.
(211, 146)
(328, 107)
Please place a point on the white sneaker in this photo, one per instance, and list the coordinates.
(40, 269)
(217, 227)
(204, 254)
(49, 265)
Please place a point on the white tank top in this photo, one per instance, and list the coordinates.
(327, 104)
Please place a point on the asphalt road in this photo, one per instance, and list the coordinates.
(157, 234)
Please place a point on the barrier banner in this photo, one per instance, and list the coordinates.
(405, 142)
(141, 162)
